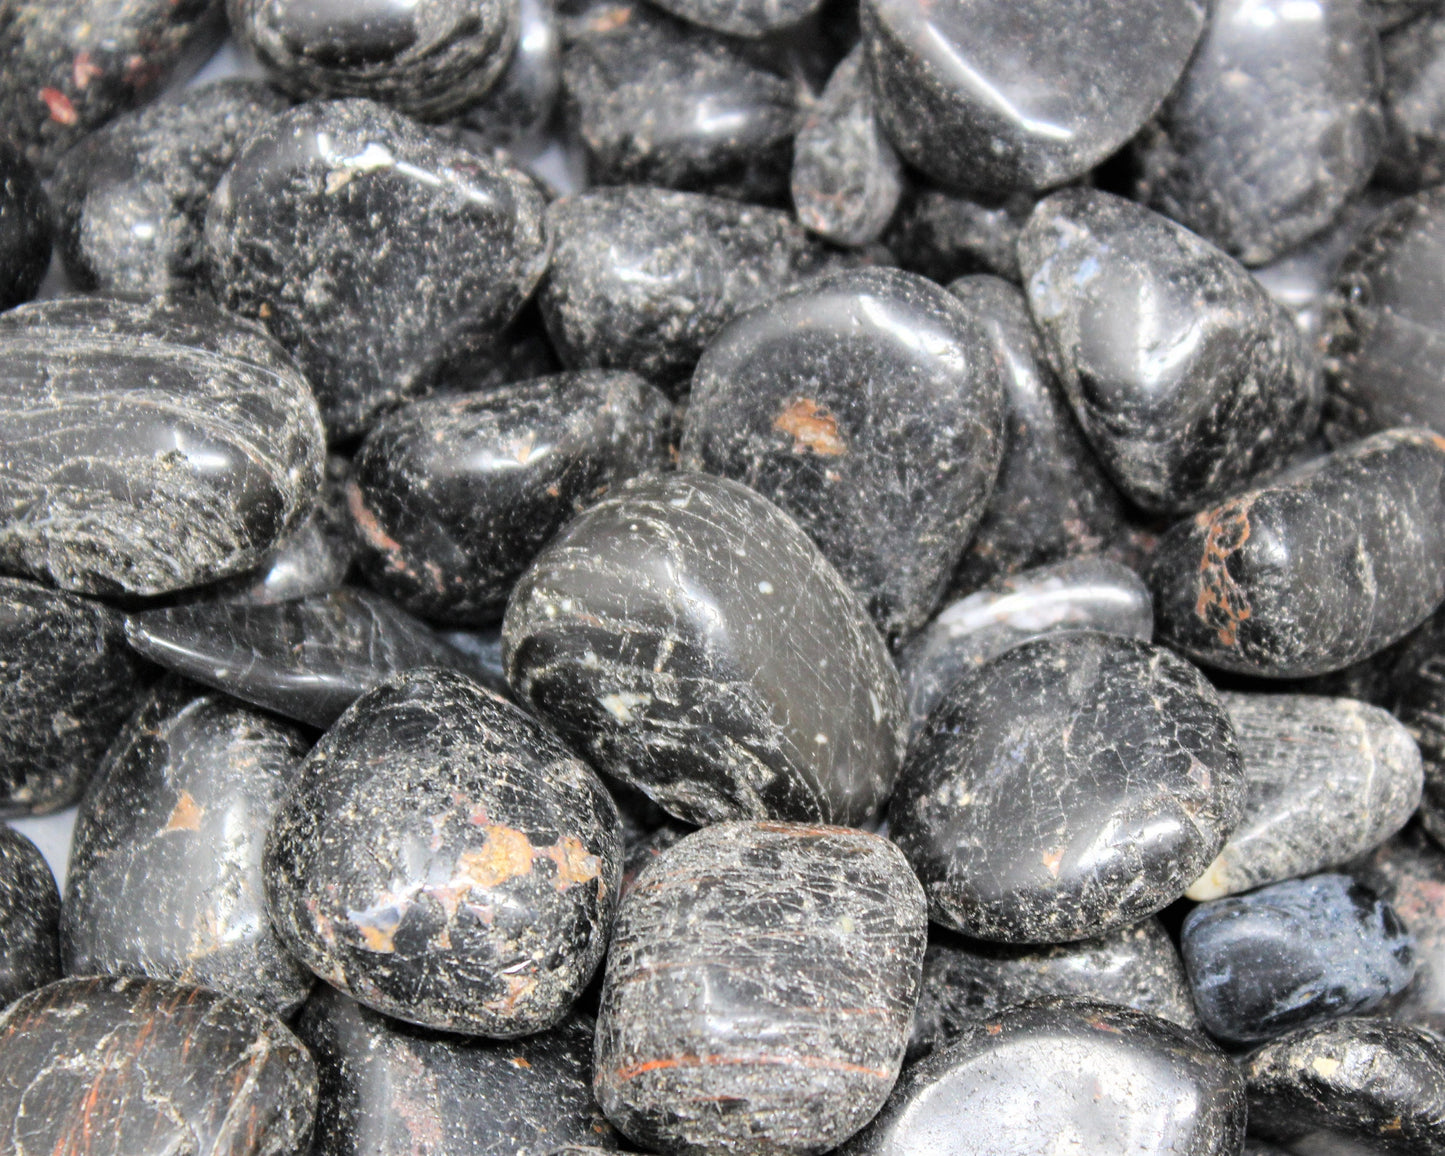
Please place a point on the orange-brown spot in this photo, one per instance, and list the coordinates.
(373, 531)
(185, 815)
(1394, 1125)
(265, 310)
(610, 19)
(818, 1062)
(61, 110)
(378, 939)
(574, 863)
(1100, 1026)
(993, 1029)
(506, 854)
(521, 1061)
(83, 70)
(519, 987)
(1052, 860)
(1222, 605)
(812, 428)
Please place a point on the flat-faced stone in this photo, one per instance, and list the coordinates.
(121, 1067)
(444, 859)
(1317, 569)
(772, 967)
(997, 96)
(453, 496)
(165, 862)
(518, 107)
(1110, 285)
(688, 637)
(25, 228)
(945, 235)
(29, 918)
(375, 250)
(1064, 1076)
(1075, 784)
(868, 405)
(1414, 104)
(67, 682)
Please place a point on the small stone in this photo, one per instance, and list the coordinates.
(165, 861)
(518, 107)
(737, 971)
(1315, 570)
(1026, 819)
(689, 639)
(1064, 1075)
(944, 236)
(120, 1067)
(1107, 280)
(1414, 99)
(407, 866)
(25, 228)
(29, 918)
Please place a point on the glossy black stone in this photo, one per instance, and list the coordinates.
(519, 105)
(146, 447)
(25, 228)
(996, 96)
(1318, 569)
(29, 918)
(1112, 286)
(67, 682)
(1414, 103)
(1024, 817)
(130, 199)
(374, 250)
(308, 659)
(868, 405)
(1061, 1075)
(121, 1067)
(769, 966)
(944, 235)
(689, 638)
(165, 862)
(406, 866)
(453, 496)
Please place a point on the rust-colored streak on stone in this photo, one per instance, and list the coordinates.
(373, 531)
(811, 427)
(61, 110)
(632, 1071)
(186, 815)
(506, 855)
(1222, 605)
(519, 987)
(574, 864)
(1052, 860)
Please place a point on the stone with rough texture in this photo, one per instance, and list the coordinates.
(1026, 819)
(29, 918)
(688, 638)
(944, 235)
(1388, 14)
(770, 967)
(25, 228)
(1421, 707)
(1414, 102)
(165, 862)
(518, 107)
(146, 447)
(1187, 377)
(742, 17)
(868, 405)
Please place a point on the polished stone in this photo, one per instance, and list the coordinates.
(945, 235)
(516, 110)
(25, 228)
(29, 918)
(1414, 102)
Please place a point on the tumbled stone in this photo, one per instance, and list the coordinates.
(373, 249)
(119, 1067)
(867, 404)
(29, 918)
(25, 228)
(769, 966)
(518, 107)
(148, 446)
(1111, 285)
(1315, 570)
(1023, 815)
(943, 235)
(1059, 1076)
(453, 496)
(1414, 103)
(742, 17)
(688, 638)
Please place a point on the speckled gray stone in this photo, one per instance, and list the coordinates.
(742, 17)
(1414, 104)
(518, 107)
(29, 918)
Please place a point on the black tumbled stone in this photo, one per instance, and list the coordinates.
(944, 235)
(518, 107)
(25, 228)
(1414, 103)
(29, 918)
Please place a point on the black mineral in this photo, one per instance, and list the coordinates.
(742, 17)
(945, 235)
(1414, 101)
(25, 228)
(29, 918)
(518, 107)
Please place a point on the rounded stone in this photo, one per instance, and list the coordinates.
(29, 918)
(25, 228)
(517, 109)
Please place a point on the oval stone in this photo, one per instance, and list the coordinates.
(29, 918)
(25, 228)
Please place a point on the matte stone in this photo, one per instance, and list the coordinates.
(518, 107)
(67, 682)
(996, 96)
(689, 639)
(453, 496)
(868, 405)
(389, 1089)
(1112, 286)
(943, 235)
(146, 447)
(1026, 819)
(444, 859)
(770, 967)
(29, 918)
(165, 861)
(1312, 571)
(742, 17)
(25, 228)
(1062, 1075)
(1370, 1082)
(130, 199)
(1387, 14)
(308, 659)
(374, 250)
(124, 1067)
(1294, 953)
(1414, 103)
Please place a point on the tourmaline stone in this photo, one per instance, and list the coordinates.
(1024, 817)
(867, 404)
(165, 862)
(117, 1067)
(771, 967)
(307, 659)
(1420, 705)
(742, 17)
(518, 107)
(25, 228)
(995, 96)
(453, 496)
(148, 446)
(1414, 103)
(444, 859)
(1064, 1075)
(1326, 779)
(388, 1089)
(373, 249)
(29, 918)
(945, 235)
(689, 639)
(1354, 1085)
(67, 682)
(130, 200)
(1317, 569)
(1110, 285)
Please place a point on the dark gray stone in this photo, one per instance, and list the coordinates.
(943, 235)
(1414, 102)
(742, 17)
(25, 228)
(1388, 14)
(29, 918)
(518, 107)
